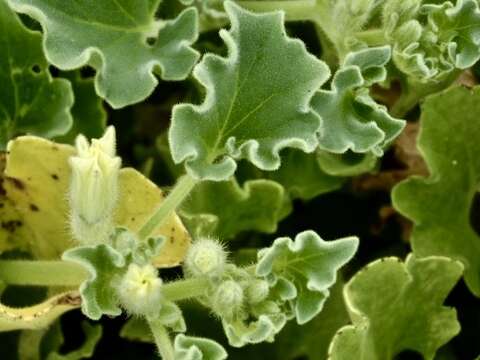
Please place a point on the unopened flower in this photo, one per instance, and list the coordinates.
(94, 187)
(205, 257)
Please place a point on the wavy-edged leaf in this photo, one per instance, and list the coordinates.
(256, 103)
(89, 116)
(113, 36)
(103, 264)
(313, 180)
(37, 177)
(347, 164)
(31, 101)
(37, 316)
(351, 119)
(396, 306)
(309, 264)
(196, 348)
(440, 204)
(223, 209)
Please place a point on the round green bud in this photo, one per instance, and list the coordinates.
(228, 299)
(139, 290)
(257, 291)
(205, 257)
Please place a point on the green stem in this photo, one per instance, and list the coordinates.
(65, 273)
(295, 10)
(162, 340)
(41, 273)
(373, 37)
(173, 200)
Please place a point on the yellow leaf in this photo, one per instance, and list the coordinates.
(36, 180)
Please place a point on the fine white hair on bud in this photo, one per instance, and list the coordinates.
(140, 290)
(228, 299)
(94, 188)
(257, 291)
(205, 257)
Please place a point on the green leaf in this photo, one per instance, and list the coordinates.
(93, 334)
(30, 100)
(103, 263)
(89, 116)
(287, 260)
(396, 307)
(256, 103)
(346, 164)
(440, 204)
(114, 37)
(195, 348)
(137, 329)
(313, 180)
(351, 119)
(223, 209)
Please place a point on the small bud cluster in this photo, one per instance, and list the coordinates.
(205, 257)
(94, 188)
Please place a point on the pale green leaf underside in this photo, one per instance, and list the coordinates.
(31, 101)
(223, 209)
(196, 348)
(111, 36)
(351, 119)
(103, 263)
(440, 205)
(310, 264)
(256, 102)
(397, 306)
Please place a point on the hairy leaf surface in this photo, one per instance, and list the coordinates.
(113, 36)
(309, 264)
(351, 119)
(440, 204)
(397, 306)
(256, 103)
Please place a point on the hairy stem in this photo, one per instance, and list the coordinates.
(173, 200)
(41, 273)
(162, 340)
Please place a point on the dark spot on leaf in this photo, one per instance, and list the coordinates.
(55, 147)
(34, 207)
(17, 183)
(54, 176)
(171, 240)
(11, 225)
(151, 41)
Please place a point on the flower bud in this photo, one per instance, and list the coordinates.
(139, 290)
(205, 257)
(228, 299)
(257, 291)
(94, 188)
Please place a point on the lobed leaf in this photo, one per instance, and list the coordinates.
(114, 37)
(223, 209)
(397, 306)
(37, 177)
(103, 264)
(31, 101)
(442, 221)
(351, 119)
(256, 103)
(309, 264)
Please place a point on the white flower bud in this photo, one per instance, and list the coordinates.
(139, 290)
(94, 188)
(205, 257)
(228, 299)
(257, 291)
